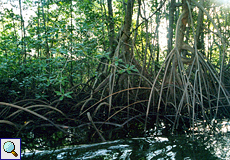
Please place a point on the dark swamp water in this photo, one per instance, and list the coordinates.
(205, 146)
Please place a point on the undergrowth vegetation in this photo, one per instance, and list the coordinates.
(75, 72)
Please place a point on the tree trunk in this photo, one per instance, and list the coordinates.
(111, 28)
(199, 37)
(172, 9)
(126, 31)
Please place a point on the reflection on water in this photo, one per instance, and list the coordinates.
(211, 147)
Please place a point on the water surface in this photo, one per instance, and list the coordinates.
(204, 146)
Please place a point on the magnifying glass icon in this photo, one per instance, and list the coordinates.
(9, 147)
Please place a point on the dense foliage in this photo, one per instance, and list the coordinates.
(87, 62)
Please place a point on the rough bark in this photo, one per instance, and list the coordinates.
(172, 9)
(111, 28)
(126, 31)
(127, 54)
(181, 26)
(199, 38)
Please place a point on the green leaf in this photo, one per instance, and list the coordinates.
(58, 93)
(135, 70)
(123, 70)
(61, 98)
(69, 96)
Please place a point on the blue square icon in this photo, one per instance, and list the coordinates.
(10, 148)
